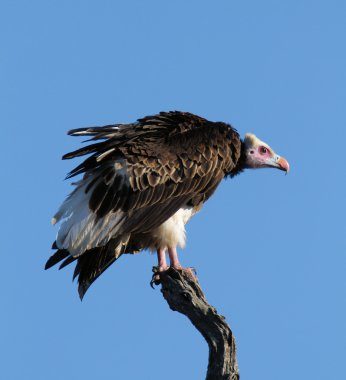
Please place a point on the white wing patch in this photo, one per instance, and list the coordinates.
(80, 230)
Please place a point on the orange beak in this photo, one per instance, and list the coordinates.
(283, 164)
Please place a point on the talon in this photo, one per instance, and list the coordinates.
(155, 279)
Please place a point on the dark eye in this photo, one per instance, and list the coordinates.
(263, 150)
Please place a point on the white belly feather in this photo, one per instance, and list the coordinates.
(172, 233)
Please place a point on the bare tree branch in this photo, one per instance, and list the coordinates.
(183, 294)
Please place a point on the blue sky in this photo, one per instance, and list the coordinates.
(269, 249)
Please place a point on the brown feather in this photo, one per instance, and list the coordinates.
(148, 170)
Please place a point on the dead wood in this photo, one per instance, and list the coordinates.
(184, 294)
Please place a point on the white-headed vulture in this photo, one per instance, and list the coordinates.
(140, 185)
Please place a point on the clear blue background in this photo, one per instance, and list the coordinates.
(269, 249)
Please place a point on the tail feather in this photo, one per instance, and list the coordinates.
(94, 262)
(67, 261)
(59, 255)
(91, 264)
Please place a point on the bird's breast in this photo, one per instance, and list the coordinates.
(172, 232)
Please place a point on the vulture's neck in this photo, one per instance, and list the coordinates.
(241, 163)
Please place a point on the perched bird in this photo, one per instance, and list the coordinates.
(142, 183)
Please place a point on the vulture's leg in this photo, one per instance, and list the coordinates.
(161, 267)
(161, 257)
(173, 258)
(174, 261)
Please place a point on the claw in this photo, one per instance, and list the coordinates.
(155, 279)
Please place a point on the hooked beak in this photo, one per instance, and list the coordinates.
(281, 163)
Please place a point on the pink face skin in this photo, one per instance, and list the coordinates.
(263, 157)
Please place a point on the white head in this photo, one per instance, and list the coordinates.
(261, 155)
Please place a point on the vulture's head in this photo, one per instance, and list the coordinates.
(258, 154)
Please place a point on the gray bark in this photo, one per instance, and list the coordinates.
(183, 294)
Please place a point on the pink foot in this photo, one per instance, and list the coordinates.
(161, 258)
(174, 261)
(176, 266)
(155, 279)
(162, 268)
